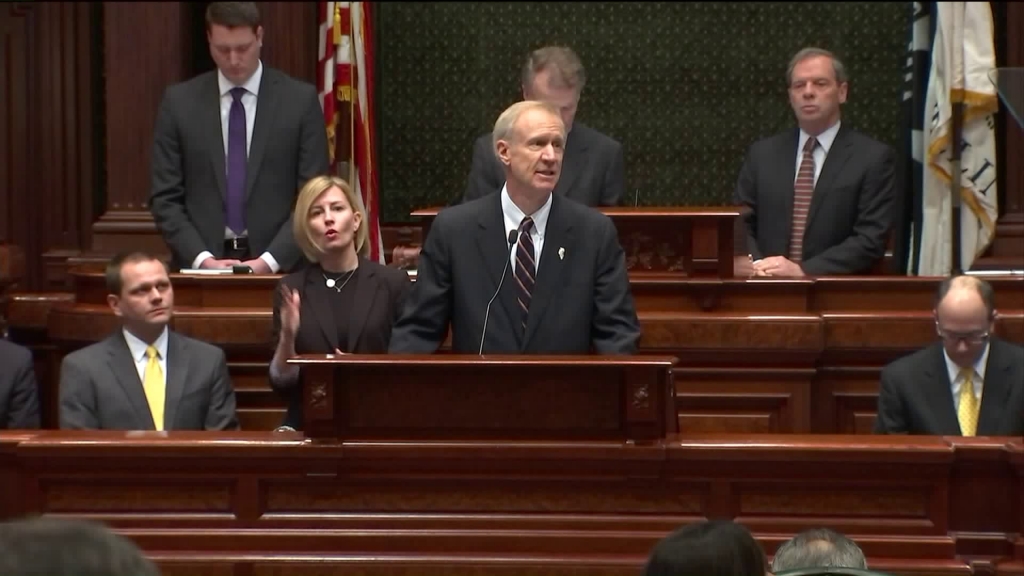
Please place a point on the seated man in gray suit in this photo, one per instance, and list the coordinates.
(19, 397)
(144, 376)
(818, 198)
(593, 167)
(970, 383)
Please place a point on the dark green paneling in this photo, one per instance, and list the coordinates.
(685, 86)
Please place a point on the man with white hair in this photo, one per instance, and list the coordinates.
(818, 548)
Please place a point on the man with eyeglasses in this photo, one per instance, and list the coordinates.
(971, 383)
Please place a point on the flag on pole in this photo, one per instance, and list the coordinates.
(921, 32)
(346, 87)
(963, 54)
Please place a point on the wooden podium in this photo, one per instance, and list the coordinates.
(468, 397)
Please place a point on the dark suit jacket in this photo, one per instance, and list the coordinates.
(100, 388)
(380, 295)
(19, 396)
(851, 210)
(916, 395)
(581, 302)
(289, 146)
(593, 169)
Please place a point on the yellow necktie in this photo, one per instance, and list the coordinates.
(153, 384)
(967, 412)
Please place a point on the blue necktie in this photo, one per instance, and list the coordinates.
(237, 159)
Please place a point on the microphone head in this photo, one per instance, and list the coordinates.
(513, 235)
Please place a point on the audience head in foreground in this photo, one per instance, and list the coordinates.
(713, 548)
(970, 382)
(818, 548)
(64, 547)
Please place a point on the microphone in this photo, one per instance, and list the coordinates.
(512, 237)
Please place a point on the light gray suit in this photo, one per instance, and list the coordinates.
(100, 388)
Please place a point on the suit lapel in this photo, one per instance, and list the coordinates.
(550, 276)
(786, 158)
(836, 158)
(122, 366)
(366, 291)
(492, 241)
(209, 109)
(995, 391)
(176, 377)
(267, 103)
(573, 163)
(320, 308)
(940, 396)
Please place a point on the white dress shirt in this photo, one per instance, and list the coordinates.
(249, 101)
(514, 217)
(825, 140)
(138, 349)
(957, 380)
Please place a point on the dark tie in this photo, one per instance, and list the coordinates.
(804, 189)
(526, 268)
(237, 159)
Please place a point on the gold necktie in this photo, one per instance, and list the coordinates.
(967, 412)
(153, 384)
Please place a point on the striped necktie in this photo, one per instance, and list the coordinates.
(526, 268)
(804, 189)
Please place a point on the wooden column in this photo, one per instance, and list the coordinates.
(1008, 247)
(48, 166)
(144, 51)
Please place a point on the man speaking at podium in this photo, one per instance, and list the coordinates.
(524, 271)
(231, 149)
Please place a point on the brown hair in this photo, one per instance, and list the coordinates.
(566, 66)
(115, 283)
(233, 15)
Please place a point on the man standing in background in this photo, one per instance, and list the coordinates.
(231, 149)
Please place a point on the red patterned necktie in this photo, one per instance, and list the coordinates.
(526, 268)
(804, 189)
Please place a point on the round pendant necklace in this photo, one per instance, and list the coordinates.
(332, 283)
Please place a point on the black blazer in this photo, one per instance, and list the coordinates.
(851, 210)
(289, 146)
(380, 295)
(19, 394)
(593, 169)
(916, 395)
(581, 301)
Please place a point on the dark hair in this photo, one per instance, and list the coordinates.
(115, 282)
(233, 15)
(65, 547)
(819, 548)
(983, 288)
(713, 548)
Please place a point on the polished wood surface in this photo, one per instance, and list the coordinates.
(686, 241)
(438, 397)
(253, 503)
(756, 356)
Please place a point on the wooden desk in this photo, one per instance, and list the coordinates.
(262, 503)
(756, 356)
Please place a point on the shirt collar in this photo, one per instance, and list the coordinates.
(979, 364)
(514, 216)
(138, 347)
(825, 139)
(252, 84)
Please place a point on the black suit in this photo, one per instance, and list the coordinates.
(851, 211)
(100, 388)
(593, 169)
(289, 146)
(19, 395)
(916, 395)
(379, 297)
(581, 301)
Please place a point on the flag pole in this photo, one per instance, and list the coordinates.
(354, 81)
(954, 185)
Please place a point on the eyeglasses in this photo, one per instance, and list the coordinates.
(965, 337)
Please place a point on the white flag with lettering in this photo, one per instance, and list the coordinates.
(962, 57)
